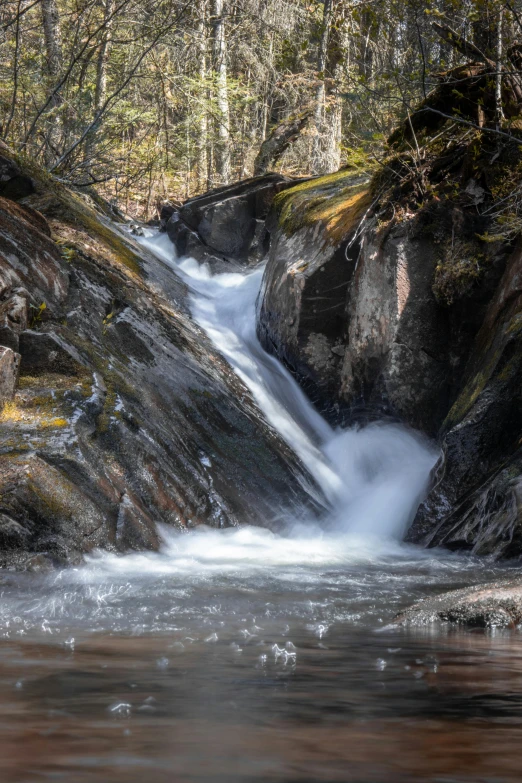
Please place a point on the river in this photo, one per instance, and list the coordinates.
(246, 655)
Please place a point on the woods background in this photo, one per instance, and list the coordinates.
(150, 101)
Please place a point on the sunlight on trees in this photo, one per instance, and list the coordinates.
(155, 102)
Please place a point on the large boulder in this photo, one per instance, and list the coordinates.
(310, 267)
(351, 308)
(381, 307)
(226, 226)
(30, 261)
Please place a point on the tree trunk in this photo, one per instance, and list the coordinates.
(318, 163)
(53, 56)
(52, 38)
(202, 143)
(222, 146)
(279, 140)
(498, 76)
(100, 94)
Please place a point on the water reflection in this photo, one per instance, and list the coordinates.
(247, 674)
(441, 709)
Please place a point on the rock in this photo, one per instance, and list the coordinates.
(166, 212)
(419, 319)
(308, 274)
(13, 535)
(13, 317)
(9, 370)
(477, 501)
(30, 259)
(8, 169)
(47, 353)
(120, 393)
(398, 337)
(225, 227)
(38, 564)
(361, 313)
(494, 605)
(17, 187)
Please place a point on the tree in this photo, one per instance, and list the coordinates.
(222, 118)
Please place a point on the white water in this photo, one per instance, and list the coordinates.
(373, 477)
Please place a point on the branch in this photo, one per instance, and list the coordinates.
(483, 129)
(92, 125)
(68, 72)
(20, 12)
(279, 140)
(460, 43)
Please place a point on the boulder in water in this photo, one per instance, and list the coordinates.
(225, 227)
(494, 605)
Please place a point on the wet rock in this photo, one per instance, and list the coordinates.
(38, 564)
(476, 504)
(119, 395)
(166, 212)
(9, 370)
(351, 308)
(311, 263)
(495, 605)
(225, 227)
(56, 512)
(14, 316)
(13, 535)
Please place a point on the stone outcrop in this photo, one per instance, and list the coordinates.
(9, 370)
(380, 307)
(124, 415)
(477, 501)
(350, 305)
(226, 226)
(494, 605)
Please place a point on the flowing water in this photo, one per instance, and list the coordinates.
(241, 655)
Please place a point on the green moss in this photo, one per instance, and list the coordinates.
(493, 353)
(460, 267)
(57, 201)
(336, 200)
(468, 396)
(109, 405)
(123, 252)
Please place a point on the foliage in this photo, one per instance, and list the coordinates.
(139, 100)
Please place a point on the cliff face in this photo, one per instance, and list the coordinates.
(351, 306)
(477, 501)
(118, 412)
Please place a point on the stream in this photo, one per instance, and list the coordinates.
(243, 655)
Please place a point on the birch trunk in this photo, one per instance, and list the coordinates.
(222, 146)
(100, 94)
(318, 156)
(202, 143)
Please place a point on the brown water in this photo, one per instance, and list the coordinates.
(200, 664)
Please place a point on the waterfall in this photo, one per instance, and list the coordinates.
(374, 477)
